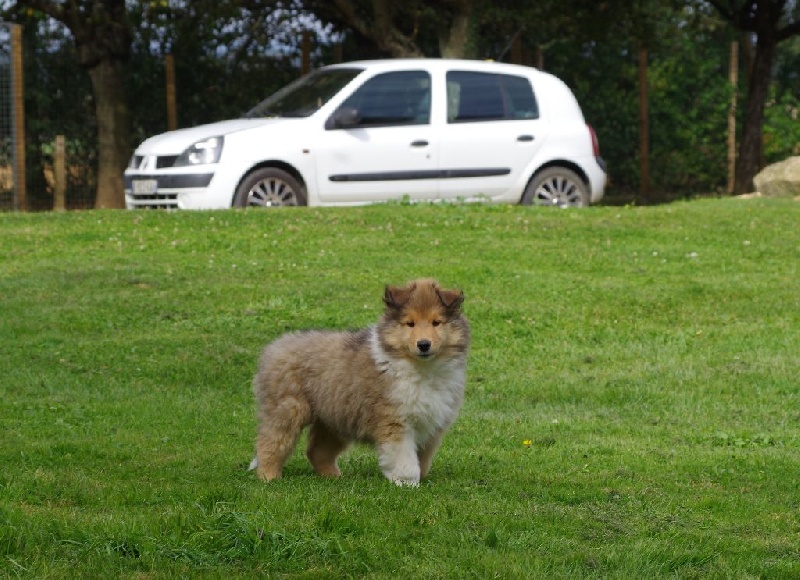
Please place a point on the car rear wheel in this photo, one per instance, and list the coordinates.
(269, 187)
(556, 187)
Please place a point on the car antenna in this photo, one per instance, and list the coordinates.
(510, 42)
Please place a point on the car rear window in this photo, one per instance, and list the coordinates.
(476, 96)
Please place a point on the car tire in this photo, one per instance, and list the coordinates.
(556, 187)
(269, 187)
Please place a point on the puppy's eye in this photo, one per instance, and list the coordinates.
(410, 324)
(436, 322)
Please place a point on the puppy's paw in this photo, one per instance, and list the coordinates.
(406, 482)
(399, 463)
(267, 474)
(408, 477)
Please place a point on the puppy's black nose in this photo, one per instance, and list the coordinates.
(424, 345)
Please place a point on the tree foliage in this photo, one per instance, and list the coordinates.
(102, 37)
(59, 106)
(404, 29)
(771, 22)
(230, 55)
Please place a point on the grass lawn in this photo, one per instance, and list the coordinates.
(632, 408)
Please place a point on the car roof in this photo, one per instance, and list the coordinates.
(440, 63)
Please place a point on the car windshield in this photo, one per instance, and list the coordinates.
(306, 95)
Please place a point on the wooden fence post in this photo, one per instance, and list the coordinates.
(734, 80)
(516, 49)
(644, 128)
(172, 111)
(18, 107)
(60, 174)
(306, 48)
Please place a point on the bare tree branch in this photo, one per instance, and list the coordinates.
(381, 28)
(348, 10)
(48, 7)
(788, 31)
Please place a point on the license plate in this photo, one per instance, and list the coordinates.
(144, 186)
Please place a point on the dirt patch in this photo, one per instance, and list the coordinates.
(758, 195)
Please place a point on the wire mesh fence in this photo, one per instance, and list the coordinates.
(58, 101)
(44, 94)
(7, 200)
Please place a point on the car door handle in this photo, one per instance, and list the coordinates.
(525, 138)
(419, 143)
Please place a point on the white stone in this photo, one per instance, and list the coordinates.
(780, 179)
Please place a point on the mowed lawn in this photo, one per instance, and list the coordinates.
(632, 407)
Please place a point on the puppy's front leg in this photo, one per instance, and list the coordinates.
(427, 451)
(398, 460)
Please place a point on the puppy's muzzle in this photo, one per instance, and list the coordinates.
(424, 347)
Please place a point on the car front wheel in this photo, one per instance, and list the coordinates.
(556, 187)
(269, 187)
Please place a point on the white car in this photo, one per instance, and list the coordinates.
(363, 132)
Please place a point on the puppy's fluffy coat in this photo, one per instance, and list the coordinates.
(398, 385)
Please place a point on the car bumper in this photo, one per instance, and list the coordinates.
(155, 190)
(595, 170)
(163, 191)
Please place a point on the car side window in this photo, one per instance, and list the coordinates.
(477, 96)
(395, 98)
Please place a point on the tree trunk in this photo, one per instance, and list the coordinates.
(103, 39)
(454, 39)
(750, 155)
(113, 130)
(764, 18)
(380, 27)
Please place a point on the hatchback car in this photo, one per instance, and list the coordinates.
(371, 131)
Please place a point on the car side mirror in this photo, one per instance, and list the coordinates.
(343, 118)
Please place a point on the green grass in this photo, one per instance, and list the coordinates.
(632, 403)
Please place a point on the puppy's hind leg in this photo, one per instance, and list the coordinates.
(278, 431)
(324, 447)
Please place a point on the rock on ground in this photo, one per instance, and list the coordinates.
(780, 179)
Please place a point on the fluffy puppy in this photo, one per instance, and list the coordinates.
(397, 385)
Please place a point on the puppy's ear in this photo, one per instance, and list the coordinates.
(396, 297)
(451, 300)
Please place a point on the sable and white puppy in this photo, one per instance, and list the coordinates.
(397, 385)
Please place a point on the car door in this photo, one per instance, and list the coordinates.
(379, 144)
(491, 133)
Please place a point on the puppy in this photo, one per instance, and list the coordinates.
(397, 385)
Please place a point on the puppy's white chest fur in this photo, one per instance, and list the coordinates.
(429, 393)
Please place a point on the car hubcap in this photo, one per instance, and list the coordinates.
(558, 191)
(271, 193)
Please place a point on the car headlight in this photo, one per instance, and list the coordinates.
(201, 153)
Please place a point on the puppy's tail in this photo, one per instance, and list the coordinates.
(253, 464)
